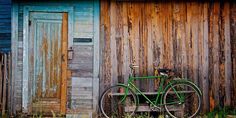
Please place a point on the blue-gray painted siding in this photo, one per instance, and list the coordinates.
(5, 25)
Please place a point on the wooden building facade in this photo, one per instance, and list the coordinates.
(55, 56)
(64, 53)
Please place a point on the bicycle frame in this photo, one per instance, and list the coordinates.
(169, 84)
(139, 92)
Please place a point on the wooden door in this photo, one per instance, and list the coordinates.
(48, 61)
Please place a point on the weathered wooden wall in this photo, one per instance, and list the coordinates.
(5, 83)
(196, 38)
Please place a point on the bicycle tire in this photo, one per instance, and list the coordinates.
(112, 106)
(187, 108)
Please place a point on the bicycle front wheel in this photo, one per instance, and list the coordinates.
(182, 100)
(114, 103)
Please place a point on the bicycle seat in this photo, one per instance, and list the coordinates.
(164, 70)
(132, 66)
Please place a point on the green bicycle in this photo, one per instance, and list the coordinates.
(180, 97)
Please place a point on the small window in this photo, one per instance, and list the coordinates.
(82, 40)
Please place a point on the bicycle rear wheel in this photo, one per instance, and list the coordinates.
(182, 100)
(115, 104)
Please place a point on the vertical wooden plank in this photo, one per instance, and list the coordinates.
(57, 65)
(176, 36)
(126, 58)
(9, 86)
(143, 46)
(182, 28)
(64, 62)
(216, 50)
(96, 38)
(221, 56)
(113, 18)
(4, 94)
(170, 38)
(70, 11)
(102, 50)
(233, 49)
(1, 79)
(96, 56)
(205, 68)
(119, 41)
(25, 96)
(189, 41)
(227, 53)
(148, 8)
(210, 55)
(105, 22)
(200, 47)
(130, 31)
(14, 46)
(167, 34)
(195, 41)
(158, 39)
(136, 18)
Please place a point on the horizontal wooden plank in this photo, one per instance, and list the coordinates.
(82, 96)
(145, 108)
(7, 39)
(80, 55)
(83, 23)
(5, 16)
(5, 20)
(141, 108)
(5, 43)
(5, 35)
(6, 28)
(83, 34)
(5, 1)
(82, 73)
(86, 13)
(81, 82)
(5, 31)
(6, 24)
(5, 8)
(80, 103)
(81, 66)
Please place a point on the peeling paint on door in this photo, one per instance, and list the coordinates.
(46, 61)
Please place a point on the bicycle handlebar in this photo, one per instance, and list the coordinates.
(132, 66)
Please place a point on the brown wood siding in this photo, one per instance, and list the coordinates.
(197, 39)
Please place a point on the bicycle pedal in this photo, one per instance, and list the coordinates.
(155, 108)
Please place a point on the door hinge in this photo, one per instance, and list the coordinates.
(29, 22)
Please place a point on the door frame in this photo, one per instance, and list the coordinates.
(25, 84)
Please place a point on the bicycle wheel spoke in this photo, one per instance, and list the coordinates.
(179, 99)
(114, 104)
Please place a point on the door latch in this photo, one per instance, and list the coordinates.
(70, 53)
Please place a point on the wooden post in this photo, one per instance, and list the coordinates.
(64, 62)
